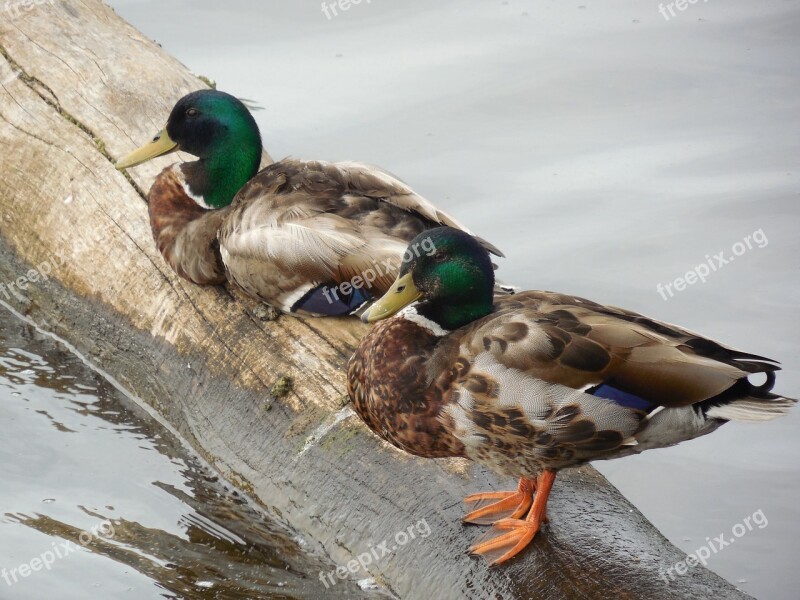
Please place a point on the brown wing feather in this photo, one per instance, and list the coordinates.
(310, 222)
(578, 343)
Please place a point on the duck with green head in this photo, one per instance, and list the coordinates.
(536, 382)
(304, 236)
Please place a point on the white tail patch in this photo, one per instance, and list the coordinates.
(752, 410)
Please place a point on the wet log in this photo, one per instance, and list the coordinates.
(262, 400)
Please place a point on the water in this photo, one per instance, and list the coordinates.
(98, 500)
(606, 149)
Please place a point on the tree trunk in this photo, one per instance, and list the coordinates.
(79, 88)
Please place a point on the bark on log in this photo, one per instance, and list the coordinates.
(79, 87)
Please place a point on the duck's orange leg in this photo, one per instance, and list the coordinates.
(509, 536)
(488, 507)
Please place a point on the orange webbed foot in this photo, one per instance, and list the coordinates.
(508, 537)
(488, 507)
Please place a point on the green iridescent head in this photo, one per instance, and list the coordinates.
(218, 129)
(448, 274)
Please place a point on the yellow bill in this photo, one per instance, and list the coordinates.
(161, 144)
(402, 293)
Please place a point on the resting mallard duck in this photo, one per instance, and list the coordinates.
(536, 382)
(303, 236)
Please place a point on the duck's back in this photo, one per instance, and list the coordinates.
(321, 238)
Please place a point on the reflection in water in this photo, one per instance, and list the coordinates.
(100, 500)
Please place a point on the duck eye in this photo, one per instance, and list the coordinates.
(192, 112)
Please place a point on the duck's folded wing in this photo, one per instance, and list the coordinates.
(346, 188)
(284, 254)
(374, 182)
(581, 344)
(299, 226)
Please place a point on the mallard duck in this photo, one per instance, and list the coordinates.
(303, 236)
(534, 383)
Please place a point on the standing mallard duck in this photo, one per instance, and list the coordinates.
(536, 382)
(304, 236)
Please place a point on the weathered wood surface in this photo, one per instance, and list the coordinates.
(78, 88)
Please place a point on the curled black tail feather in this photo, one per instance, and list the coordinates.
(766, 387)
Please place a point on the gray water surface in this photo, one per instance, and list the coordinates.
(98, 500)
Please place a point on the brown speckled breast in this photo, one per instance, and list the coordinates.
(387, 381)
(185, 233)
